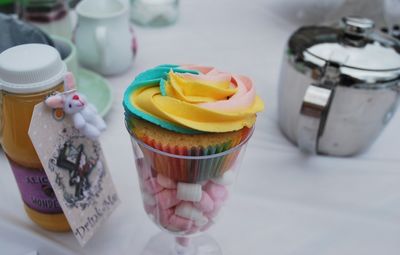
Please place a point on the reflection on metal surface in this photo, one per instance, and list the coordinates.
(359, 66)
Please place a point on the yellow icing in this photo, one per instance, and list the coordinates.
(197, 91)
(181, 106)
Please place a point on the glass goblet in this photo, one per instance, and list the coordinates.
(184, 194)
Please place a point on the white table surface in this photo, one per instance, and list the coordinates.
(284, 203)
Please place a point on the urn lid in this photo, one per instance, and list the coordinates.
(353, 44)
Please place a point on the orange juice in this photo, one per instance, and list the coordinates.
(28, 74)
(40, 202)
(17, 113)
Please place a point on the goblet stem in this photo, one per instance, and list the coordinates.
(182, 245)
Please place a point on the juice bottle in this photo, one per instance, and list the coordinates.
(28, 74)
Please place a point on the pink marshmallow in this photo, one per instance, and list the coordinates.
(151, 186)
(149, 209)
(179, 223)
(206, 204)
(217, 207)
(167, 199)
(192, 230)
(166, 182)
(163, 216)
(216, 191)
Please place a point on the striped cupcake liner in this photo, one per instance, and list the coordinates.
(198, 166)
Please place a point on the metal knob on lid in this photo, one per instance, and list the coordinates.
(358, 26)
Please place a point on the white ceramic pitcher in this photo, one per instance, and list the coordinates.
(103, 36)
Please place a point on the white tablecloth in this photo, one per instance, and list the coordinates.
(284, 202)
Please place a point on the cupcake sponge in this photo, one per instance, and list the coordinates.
(186, 170)
(183, 144)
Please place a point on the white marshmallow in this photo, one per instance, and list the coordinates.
(148, 199)
(152, 218)
(227, 179)
(188, 211)
(201, 222)
(189, 192)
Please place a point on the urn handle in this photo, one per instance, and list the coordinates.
(313, 113)
(316, 103)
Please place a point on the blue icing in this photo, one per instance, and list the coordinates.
(160, 73)
(168, 65)
(153, 77)
(162, 87)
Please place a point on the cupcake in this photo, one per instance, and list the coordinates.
(190, 110)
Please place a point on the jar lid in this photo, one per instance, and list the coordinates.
(354, 44)
(30, 68)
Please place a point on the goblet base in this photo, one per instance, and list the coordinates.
(166, 244)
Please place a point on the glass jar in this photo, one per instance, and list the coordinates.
(28, 74)
(154, 13)
(52, 16)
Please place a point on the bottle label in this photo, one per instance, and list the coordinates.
(35, 188)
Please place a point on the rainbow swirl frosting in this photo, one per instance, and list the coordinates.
(193, 99)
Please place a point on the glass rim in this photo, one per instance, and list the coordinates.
(220, 154)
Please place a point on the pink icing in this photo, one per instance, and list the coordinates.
(243, 98)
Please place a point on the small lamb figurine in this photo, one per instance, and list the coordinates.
(84, 114)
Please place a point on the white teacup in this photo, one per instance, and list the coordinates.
(103, 36)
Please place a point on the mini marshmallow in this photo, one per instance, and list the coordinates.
(171, 228)
(217, 207)
(166, 182)
(163, 216)
(206, 204)
(151, 186)
(226, 179)
(148, 199)
(178, 223)
(189, 191)
(149, 209)
(167, 199)
(188, 211)
(201, 221)
(216, 191)
(192, 230)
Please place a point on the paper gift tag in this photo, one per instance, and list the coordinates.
(76, 169)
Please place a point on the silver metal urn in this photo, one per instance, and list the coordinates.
(339, 86)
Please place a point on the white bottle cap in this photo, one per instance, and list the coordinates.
(30, 68)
